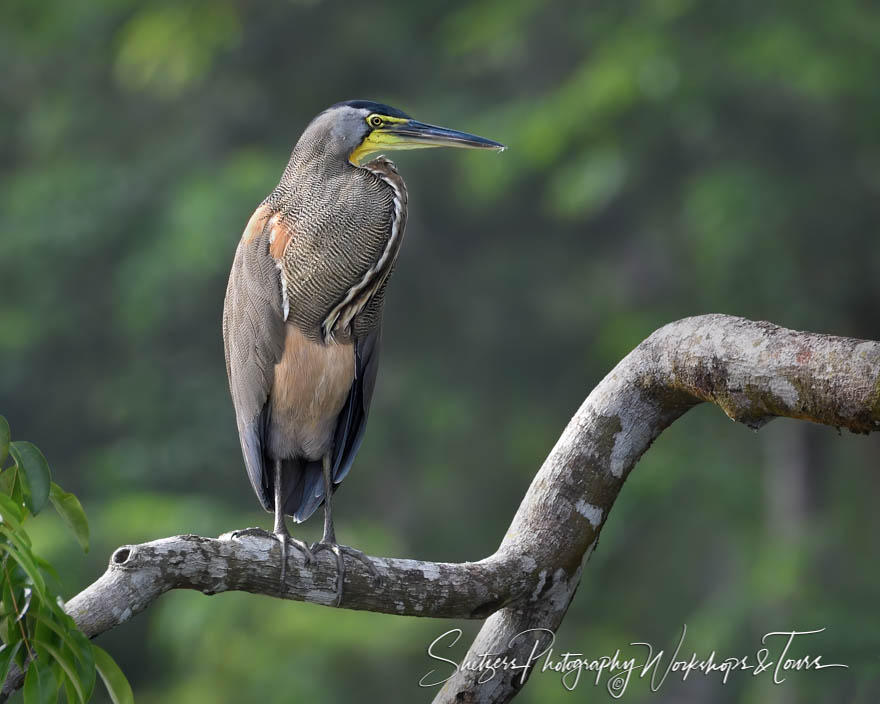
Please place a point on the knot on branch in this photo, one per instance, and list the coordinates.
(123, 556)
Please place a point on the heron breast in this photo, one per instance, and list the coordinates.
(312, 382)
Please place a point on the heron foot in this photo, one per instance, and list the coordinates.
(283, 537)
(258, 532)
(338, 552)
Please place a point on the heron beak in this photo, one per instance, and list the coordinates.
(411, 134)
(417, 135)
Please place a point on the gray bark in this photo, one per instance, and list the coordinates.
(753, 371)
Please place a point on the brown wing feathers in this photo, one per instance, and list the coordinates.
(253, 336)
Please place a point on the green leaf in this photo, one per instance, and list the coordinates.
(4, 439)
(70, 509)
(7, 653)
(78, 645)
(25, 604)
(15, 490)
(10, 513)
(82, 648)
(39, 684)
(22, 556)
(117, 686)
(85, 656)
(70, 692)
(35, 472)
(12, 589)
(46, 621)
(67, 665)
(7, 480)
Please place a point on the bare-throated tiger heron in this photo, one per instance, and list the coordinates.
(303, 312)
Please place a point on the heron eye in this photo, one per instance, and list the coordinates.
(376, 121)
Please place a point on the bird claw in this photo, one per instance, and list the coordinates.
(258, 532)
(283, 538)
(303, 547)
(340, 566)
(340, 550)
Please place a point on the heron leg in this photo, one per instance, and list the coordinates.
(328, 541)
(280, 529)
(280, 532)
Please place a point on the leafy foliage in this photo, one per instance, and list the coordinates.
(35, 631)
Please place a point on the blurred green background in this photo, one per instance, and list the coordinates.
(666, 158)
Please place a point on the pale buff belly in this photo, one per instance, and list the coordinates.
(311, 385)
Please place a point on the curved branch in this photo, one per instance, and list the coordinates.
(752, 370)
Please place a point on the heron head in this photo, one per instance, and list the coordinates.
(359, 129)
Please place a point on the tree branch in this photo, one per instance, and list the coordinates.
(753, 371)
